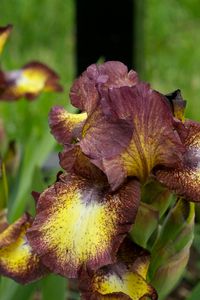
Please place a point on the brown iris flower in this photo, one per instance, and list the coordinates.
(127, 129)
(125, 134)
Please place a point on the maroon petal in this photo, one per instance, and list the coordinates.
(73, 160)
(122, 280)
(28, 82)
(103, 137)
(184, 179)
(65, 126)
(17, 259)
(84, 93)
(150, 130)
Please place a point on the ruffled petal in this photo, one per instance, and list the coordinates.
(153, 142)
(84, 93)
(122, 280)
(79, 223)
(184, 180)
(104, 137)
(28, 82)
(65, 126)
(17, 259)
(4, 34)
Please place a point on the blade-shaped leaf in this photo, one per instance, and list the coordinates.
(10, 290)
(35, 154)
(170, 252)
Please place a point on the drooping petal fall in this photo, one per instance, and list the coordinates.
(150, 141)
(124, 280)
(80, 224)
(4, 34)
(17, 259)
(185, 178)
(28, 82)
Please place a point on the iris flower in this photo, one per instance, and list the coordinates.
(129, 130)
(29, 81)
(125, 134)
(17, 260)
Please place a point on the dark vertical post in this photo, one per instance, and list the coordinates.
(139, 37)
(104, 29)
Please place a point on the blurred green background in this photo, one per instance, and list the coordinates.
(172, 49)
(45, 30)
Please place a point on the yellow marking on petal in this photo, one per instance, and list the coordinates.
(15, 257)
(7, 235)
(145, 150)
(78, 231)
(129, 283)
(140, 157)
(92, 118)
(72, 119)
(31, 81)
(142, 268)
(179, 114)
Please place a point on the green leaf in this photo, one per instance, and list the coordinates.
(171, 250)
(54, 287)
(155, 201)
(35, 154)
(3, 187)
(159, 197)
(10, 290)
(195, 294)
(145, 223)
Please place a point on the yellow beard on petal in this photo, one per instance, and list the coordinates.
(78, 231)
